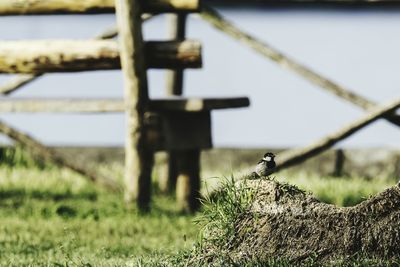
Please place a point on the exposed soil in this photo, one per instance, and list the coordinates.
(284, 222)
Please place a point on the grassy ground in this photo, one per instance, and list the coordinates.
(342, 191)
(52, 217)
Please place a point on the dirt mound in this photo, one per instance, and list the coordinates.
(284, 222)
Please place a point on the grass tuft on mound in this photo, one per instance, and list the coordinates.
(230, 221)
(53, 217)
(222, 210)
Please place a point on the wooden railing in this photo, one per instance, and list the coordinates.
(181, 126)
(38, 58)
(299, 155)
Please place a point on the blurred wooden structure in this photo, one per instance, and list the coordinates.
(182, 126)
(297, 156)
(179, 125)
(306, 3)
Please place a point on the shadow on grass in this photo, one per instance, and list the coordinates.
(21, 193)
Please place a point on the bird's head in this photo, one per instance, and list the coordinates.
(269, 156)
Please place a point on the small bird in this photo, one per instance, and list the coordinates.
(266, 164)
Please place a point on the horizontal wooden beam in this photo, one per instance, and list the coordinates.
(73, 55)
(47, 7)
(303, 3)
(22, 105)
(173, 54)
(61, 105)
(197, 104)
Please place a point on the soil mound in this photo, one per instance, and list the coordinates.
(284, 222)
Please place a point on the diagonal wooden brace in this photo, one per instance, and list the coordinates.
(39, 150)
(215, 19)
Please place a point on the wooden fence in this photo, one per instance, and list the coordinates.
(36, 58)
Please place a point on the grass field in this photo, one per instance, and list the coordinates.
(52, 217)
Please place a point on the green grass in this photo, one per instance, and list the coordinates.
(53, 217)
(231, 203)
(341, 191)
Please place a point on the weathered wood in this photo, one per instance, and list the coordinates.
(174, 86)
(68, 55)
(23, 79)
(303, 3)
(61, 105)
(219, 22)
(42, 152)
(339, 163)
(186, 130)
(173, 54)
(51, 7)
(17, 82)
(297, 156)
(78, 105)
(138, 157)
(188, 181)
(197, 104)
(177, 25)
(156, 6)
(172, 174)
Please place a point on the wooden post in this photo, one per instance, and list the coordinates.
(177, 24)
(174, 78)
(138, 157)
(339, 163)
(188, 181)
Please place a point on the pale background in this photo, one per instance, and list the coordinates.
(358, 49)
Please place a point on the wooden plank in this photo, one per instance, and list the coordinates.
(83, 55)
(62, 105)
(139, 157)
(156, 6)
(47, 105)
(52, 7)
(186, 130)
(173, 54)
(266, 50)
(42, 152)
(302, 3)
(197, 104)
(23, 79)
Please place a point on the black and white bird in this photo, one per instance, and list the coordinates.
(266, 164)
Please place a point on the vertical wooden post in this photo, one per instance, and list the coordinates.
(167, 179)
(174, 79)
(339, 163)
(188, 181)
(177, 24)
(138, 156)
